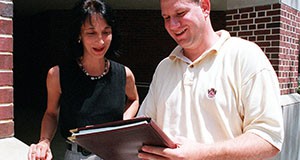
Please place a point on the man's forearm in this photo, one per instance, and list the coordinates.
(248, 146)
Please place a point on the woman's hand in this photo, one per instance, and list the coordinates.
(40, 151)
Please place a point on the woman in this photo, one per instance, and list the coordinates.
(89, 89)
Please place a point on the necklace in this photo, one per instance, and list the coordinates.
(94, 77)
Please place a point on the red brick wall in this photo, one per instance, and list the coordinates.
(289, 48)
(275, 28)
(144, 41)
(6, 66)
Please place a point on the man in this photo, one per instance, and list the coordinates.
(216, 95)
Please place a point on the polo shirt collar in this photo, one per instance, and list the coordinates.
(177, 53)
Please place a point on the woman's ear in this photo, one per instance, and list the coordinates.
(79, 39)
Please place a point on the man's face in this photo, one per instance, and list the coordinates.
(183, 20)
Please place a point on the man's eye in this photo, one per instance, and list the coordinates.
(166, 18)
(181, 13)
(107, 32)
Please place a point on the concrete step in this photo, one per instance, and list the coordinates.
(13, 149)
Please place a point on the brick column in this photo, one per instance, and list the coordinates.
(276, 29)
(289, 48)
(6, 66)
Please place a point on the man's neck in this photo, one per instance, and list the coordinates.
(195, 52)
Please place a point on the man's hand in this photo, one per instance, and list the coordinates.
(186, 149)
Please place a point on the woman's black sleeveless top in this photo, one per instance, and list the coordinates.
(86, 102)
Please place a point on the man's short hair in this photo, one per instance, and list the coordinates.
(196, 1)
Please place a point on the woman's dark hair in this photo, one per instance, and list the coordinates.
(82, 12)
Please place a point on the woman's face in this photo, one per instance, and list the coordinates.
(96, 36)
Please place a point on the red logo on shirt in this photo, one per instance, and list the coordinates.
(212, 93)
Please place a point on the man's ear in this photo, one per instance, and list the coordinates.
(205, 5)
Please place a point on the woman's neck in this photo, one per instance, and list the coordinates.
(94, 67)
